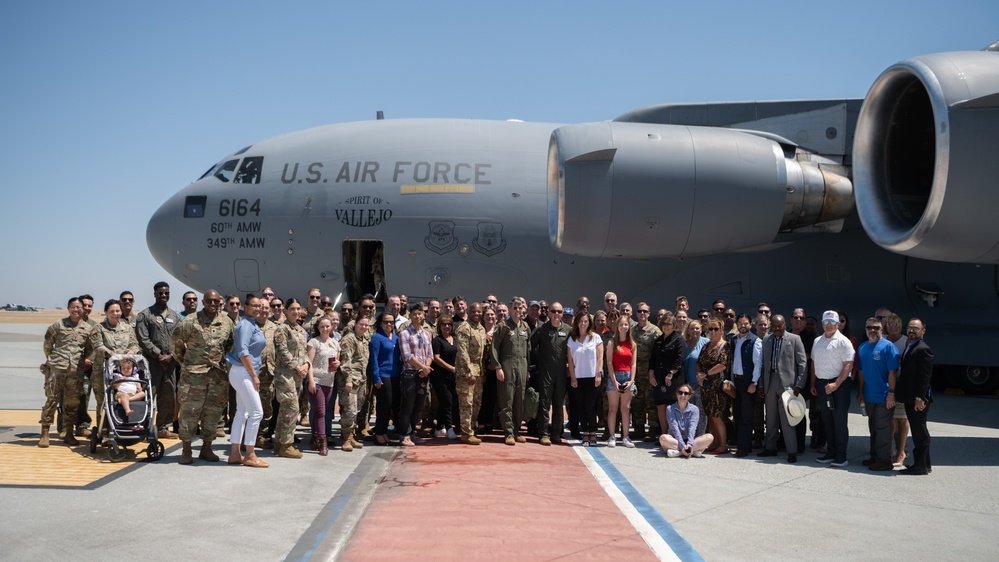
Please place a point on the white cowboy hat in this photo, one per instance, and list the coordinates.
(794, 406)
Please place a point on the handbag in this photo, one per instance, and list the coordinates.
(531, 403)
(661, 392)
(728, 388)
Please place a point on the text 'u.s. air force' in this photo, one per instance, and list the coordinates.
(369, 171)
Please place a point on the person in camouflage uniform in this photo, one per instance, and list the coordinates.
(470, 339)
(316, 310)
(266, 376)
(642, 405)
(200, 343)
(63, 346)
(290, 350)
(351, 383)
(113, 336)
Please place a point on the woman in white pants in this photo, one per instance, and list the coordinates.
(245, 357)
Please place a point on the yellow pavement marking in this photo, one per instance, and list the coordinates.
(23, 463)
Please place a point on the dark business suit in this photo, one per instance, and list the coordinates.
(914, 382)
(788, 371)
(743, 406)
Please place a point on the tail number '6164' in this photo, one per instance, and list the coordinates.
(238, 208)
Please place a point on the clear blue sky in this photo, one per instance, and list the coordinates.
(107, 108)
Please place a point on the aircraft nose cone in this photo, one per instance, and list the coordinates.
(160, 233)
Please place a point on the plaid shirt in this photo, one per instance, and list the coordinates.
(415, 345)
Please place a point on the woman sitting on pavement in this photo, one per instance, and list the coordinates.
(683, 417)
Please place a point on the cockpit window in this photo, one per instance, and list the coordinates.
(209, 172)
(226, 171)
(249, 172)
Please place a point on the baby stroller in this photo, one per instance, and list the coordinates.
(123, 429)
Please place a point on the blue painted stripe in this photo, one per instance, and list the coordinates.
(677, 543)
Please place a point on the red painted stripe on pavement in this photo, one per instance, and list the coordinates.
(453, 501)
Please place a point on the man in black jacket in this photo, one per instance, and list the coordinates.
(913, 389)
(741, 366)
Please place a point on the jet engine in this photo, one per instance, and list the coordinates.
(926, 158)
(649, 190)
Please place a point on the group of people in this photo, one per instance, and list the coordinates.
(458, 370)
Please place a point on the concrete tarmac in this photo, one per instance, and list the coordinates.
(319, 508)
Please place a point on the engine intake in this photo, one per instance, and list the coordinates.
(645, 190)
(926, 158)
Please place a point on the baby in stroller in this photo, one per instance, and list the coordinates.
(127, 391)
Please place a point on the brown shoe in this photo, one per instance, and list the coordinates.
(287, 451)
(261, 442)
(268, 444)
(254, 463)
(473, 440)
(355, 443)
(82, 431)
(70, 438)
(207, 454)
(546, 441)
(220, 433)
(347, 446)
(521, 439)
(510, 441)
(185, 454)
(323, 448)
(305, 421)
(43, 441)
(167, 434)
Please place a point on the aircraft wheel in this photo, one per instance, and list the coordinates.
(116, 453)
(975, 379)
(155, 451)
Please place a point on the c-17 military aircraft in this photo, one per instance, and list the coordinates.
(891, 200)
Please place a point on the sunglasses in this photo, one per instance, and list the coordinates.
(214, 301)
(556, 311)
(268, 295)
(315, 297)
(730, 316)
(234, 304)
(127, 300)
(719, 310)
(715, 329)
(643, 311)
(682, 393)
(873, 328)
(763, 311)
(797, 318)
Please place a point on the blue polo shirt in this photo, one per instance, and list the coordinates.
(876, 359)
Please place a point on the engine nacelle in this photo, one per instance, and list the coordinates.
(645, 190)
(926, 158)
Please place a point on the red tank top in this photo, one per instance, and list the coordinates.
(622, 357)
